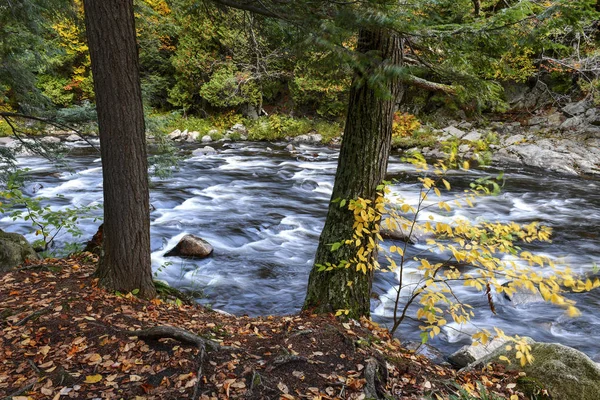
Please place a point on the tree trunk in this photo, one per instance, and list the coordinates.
(125, 263)
(361, 168)
(476, 7)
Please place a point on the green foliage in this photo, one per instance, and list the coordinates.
(48, 223)
(229, 87)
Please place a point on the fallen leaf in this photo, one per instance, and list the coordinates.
(282, 386)
(93, 378)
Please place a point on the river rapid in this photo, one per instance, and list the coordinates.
(263, 207)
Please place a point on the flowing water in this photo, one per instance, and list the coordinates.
(262, 208)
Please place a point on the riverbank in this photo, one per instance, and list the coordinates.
(70, 339)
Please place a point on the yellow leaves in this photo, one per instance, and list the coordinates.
(573, 312)
(342, 311)
(93, 378)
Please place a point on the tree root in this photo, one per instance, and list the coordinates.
(196, 394)
(34, 314)
(20, 391)
(161, 332)
(372, 372)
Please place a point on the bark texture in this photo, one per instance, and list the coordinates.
(361, 168)
(125, 263)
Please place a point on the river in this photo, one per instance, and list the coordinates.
(262, 208)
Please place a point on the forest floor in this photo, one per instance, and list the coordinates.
(64, 337)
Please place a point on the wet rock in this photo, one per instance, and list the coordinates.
(191, 246)
(523, 296)
(565, 372)
(206, 139)
(14, 250)
(204, 151)
(476, 351)
(290, 147)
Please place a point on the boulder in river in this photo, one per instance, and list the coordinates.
(204, 151)
(191, 246)
(566, 373)
(14, 250)
(311, 138)
(473, 352)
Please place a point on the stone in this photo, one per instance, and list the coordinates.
(423, 349)
(175, 135)
(206, 139)
(572, 123)
(523, 296)
(14, 250)
(566, 373)
(470, 353)
(463, 148)
(514, 139)
(72, 138)
(576, 108)
(5, 141)
(290, 147)
(239, 128)
(191, 246)
(472, 136)
(454, 131)
(311, 138)
(193, 136)
(204, 151)
(50, 140)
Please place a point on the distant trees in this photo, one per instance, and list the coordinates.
(125, 262)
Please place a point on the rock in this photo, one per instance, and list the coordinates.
(566, 373)
(193, 136)
(191, 246)
(514, 139)
(465, 125)
(72, 138)
(14, 250)
(423, 349)
(50, 140)
(572, 123)
(472, 136)
(204, 151)
(576, 108)
(523, 296)
(239, 128)
(290, 147)
(454, 131)
(206, 139)
(463, 148)
(215, 132)
(471, 353)
(390, 229)
(243, 137)
(5, 141)
(311, 138)
(175, 135)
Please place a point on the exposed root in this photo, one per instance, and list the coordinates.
(161, 332)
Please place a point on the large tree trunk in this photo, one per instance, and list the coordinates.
(125, 263)
(361, 168)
